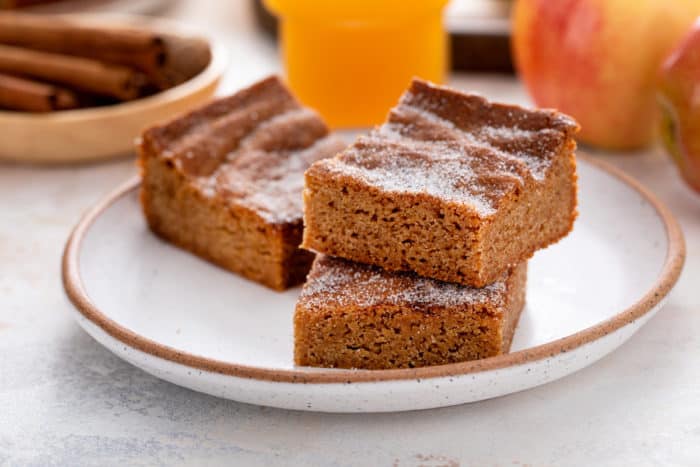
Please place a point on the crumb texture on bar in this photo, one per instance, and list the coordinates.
(351, 315)
(452, 187)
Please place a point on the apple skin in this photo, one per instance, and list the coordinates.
(597, 60)
(679, 100)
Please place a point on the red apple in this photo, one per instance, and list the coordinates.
(679, 99)
(597, 60)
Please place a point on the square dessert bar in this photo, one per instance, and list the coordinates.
(351, 315)
(225, 181)
(452, 187)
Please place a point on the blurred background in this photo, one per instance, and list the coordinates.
(625, 70)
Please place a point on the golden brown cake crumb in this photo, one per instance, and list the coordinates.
(351, 315)
(225, 181)
(452, 187)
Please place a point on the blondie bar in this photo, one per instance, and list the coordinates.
(225, 181)
(351, 315)
(452, 187)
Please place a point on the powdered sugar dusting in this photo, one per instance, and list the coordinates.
(447, 173)
(501, 132)
(459, 148)
(531, 147)
(277, 197)
(337, 282)
(248, 150)
(265, 170)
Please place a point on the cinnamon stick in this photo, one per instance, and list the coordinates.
(134, 47)
(32, 96)
(8, 4)
(165, 59)
(76, 72)
(137, 48)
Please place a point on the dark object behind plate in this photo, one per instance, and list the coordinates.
(479, 33)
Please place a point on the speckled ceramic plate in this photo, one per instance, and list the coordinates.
(201, 327)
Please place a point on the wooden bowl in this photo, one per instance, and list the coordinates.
(96, 133)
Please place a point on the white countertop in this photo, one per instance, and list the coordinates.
(65, 400)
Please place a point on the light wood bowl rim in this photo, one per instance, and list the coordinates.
(68, 121)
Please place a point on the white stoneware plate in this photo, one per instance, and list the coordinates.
(191, 323)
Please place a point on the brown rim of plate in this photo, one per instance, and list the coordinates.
(675, 257)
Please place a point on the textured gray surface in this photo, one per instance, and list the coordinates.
(64, 400)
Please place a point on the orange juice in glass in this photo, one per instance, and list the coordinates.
(352, 59)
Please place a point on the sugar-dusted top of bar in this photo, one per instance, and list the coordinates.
(455, 146)
(335, 282)
(250, 149)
